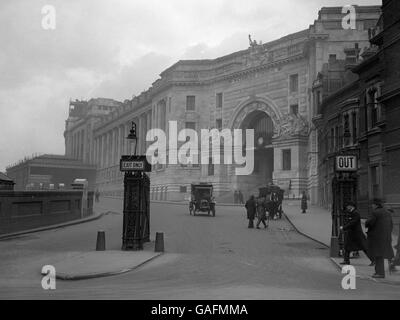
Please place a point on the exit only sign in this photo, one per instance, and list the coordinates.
(346, 163)
(134, 163)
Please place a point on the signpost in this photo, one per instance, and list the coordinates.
(344, 189)
(136, 220)
(134, 163)
(346, 163)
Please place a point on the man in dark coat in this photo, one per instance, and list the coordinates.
(261, 212)
(251, 210)
(354, 238)
(380, 226)
(304, 202)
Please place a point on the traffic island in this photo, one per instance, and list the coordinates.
(96, 264)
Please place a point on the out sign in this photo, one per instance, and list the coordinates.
(346, 163)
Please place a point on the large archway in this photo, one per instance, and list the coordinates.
(264, 121)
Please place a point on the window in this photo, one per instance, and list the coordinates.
(210, 167)
(218, 124)
(182, 189)
(336, 138)
(286, 160)
(354, 127)
(346, 126)
(190, 125)
(190, 103)
(373, 107)
(294, 83)
(219, 100)
(375, 181)
(294, 109)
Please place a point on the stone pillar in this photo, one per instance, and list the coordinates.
(77, 144)
(106, 146)
(72, 146)
(110, 148)
(103, 150)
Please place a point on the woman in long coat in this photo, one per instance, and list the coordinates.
(251, 210)
(354, 238)
(380, 226)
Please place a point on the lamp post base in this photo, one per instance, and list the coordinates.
(335, 250)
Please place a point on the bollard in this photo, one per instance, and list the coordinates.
(159, 246)
(101, 241)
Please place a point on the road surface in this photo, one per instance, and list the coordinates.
(206, 258)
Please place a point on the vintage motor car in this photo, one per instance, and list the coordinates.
(202, 199)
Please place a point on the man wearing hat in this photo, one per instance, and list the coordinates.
(354, 238)
(380, 226)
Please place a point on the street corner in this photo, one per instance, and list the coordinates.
(365, 272)
(96, 264)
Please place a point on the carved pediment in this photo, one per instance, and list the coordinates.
(293, 125)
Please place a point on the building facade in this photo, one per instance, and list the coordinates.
(361, 115)
(266, 87)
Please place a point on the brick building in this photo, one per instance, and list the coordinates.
(363, 115)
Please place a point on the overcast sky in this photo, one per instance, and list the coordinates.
(116, 49)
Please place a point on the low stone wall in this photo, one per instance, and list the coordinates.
(24, 210)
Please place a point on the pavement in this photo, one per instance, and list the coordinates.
(316, 224)
(94, 216)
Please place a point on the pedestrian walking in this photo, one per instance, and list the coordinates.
(304, 202)
(240, 195)
(379, 235)
(396, 260)
(354, 238)
(251, 211)
(280, 202)
(97, 195)
(261, 212)
(236, 197)
(273, 205)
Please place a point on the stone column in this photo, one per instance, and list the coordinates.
(127, 144)
(110, 148)
(103, 151)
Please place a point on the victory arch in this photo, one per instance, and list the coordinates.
(280, 147)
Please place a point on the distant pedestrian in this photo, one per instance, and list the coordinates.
(280, 202)
(273, 205)
(261, 212)
(97, 195)
(251, 211)
(235, 197)
(396, 260)
(354, 238)
(240, 194)
(304, 202)
(380, 226)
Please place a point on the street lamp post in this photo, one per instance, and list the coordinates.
(136, 219)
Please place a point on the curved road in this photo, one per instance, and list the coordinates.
(206, 258)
